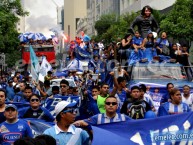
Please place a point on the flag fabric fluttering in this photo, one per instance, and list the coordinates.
(75, 65)
(35, 67)
(45, 67)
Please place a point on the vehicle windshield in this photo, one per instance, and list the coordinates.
(159, 72)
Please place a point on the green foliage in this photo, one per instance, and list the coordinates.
(9, 12)
(178, 23)
(105, 22)
(110, 27)
(12, 58)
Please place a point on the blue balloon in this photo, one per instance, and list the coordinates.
(150, 114)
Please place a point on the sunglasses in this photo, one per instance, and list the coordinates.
(73, 110)
(34, 100)
(109, 103)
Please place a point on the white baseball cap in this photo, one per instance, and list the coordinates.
(62, 105)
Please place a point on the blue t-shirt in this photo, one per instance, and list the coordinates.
(14, 131)
(10, 92)
(137, 40)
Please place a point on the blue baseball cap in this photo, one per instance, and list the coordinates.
(10, 106)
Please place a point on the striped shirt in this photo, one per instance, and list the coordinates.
(168, 109)
(103, 118)
(73, 136)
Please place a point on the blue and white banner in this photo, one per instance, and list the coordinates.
(74, 65)
(51, 102)
(38, 126)
(167, 130)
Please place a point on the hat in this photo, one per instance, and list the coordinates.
(86, 38)
(10, 106)
(62, 105)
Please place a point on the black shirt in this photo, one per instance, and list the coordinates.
(33, 113)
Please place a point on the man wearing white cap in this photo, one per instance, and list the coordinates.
(64, 132)
(13, 128)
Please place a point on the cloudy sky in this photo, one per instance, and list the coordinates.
(42, 15)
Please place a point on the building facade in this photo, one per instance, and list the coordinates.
(73, 11)
(20, 26)
(97, 8)
(136, 5)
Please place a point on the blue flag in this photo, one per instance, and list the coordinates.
(35, 67)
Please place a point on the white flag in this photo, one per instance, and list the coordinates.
(45, 67)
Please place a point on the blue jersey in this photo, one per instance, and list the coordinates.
(11, 132)
(103, 118)
(165, 98)
(169, 109)
(137, 40)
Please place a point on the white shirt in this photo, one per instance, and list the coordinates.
(188, 100)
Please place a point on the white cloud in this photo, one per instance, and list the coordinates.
(42, 15)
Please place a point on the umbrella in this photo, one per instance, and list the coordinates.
(22, 38)
(40, 34)
(33, 36)
(27, 33)
(42, 38)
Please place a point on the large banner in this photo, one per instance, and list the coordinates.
(51, 102)
(167, 130)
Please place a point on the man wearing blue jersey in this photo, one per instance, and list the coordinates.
(111, 106)
(13, 128)
(176, 106)
(64, 132)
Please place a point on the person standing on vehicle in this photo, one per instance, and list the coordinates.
(145, 22)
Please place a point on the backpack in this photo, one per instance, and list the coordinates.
(165, 50)
(136, 109)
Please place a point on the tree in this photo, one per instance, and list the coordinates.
(9, 12)
(179, 21)
(105, 22)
